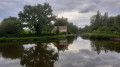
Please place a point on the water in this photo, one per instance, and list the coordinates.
(70, 52)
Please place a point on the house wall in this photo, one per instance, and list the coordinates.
(61, 28)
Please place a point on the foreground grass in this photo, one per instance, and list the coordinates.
(7, 39)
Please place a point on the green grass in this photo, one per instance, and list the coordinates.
(7, 39)
(99, 35)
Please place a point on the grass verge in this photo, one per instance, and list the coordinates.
(8, 39)
(100, 35)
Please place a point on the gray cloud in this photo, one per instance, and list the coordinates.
(89, 9)
(12, 7)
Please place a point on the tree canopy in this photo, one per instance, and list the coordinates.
(64, 22)
(36, 17)
(103, 23)
(10, 25)
(61, 21)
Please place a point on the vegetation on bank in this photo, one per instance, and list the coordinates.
(102, 26)
(8, 39)
(35, 21)
(100, 35)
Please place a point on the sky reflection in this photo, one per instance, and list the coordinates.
(81, 55)
(76, 53)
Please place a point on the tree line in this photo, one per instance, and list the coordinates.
(103, 24)
(35, 20)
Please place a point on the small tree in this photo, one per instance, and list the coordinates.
(10, 25)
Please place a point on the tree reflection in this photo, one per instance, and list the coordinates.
(100, 45)
(70, 39)
(11, 51)
(39, 56)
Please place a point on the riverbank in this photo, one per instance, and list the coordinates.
(14, 39)
(101, 36)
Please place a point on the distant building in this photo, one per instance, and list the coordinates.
(61, 28)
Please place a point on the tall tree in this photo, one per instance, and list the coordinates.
(37, 17)
(110, 21)
(106, 19)
(98, 19)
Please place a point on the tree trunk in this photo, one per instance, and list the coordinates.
(37, 30)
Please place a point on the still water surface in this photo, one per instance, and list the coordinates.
(70, 52)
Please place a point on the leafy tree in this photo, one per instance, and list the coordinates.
(70, 26)
(110, 21)
(93, 20)
(61, 21)
(103, 24)
(11, 25)
(117, 20)
(74, 29)
(105, 19)
(98, 19)
(36, 17)
(64, 22)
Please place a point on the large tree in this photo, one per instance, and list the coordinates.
(10, 25)
(37, 17)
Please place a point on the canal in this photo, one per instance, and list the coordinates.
(69, 52)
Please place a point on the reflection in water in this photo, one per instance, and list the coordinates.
(71, 52)
(102, 45)
(12, 51)
(35, 55)
(40, 55)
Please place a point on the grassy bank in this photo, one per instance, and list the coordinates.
(8, 39)
(100, 35)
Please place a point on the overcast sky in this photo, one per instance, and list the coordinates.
(77, 11)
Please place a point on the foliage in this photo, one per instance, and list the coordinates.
(117, 20)
(37, 18)
(35, 21)
(61, 21)
(10, 25)
(103, 24)
(71, 29)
